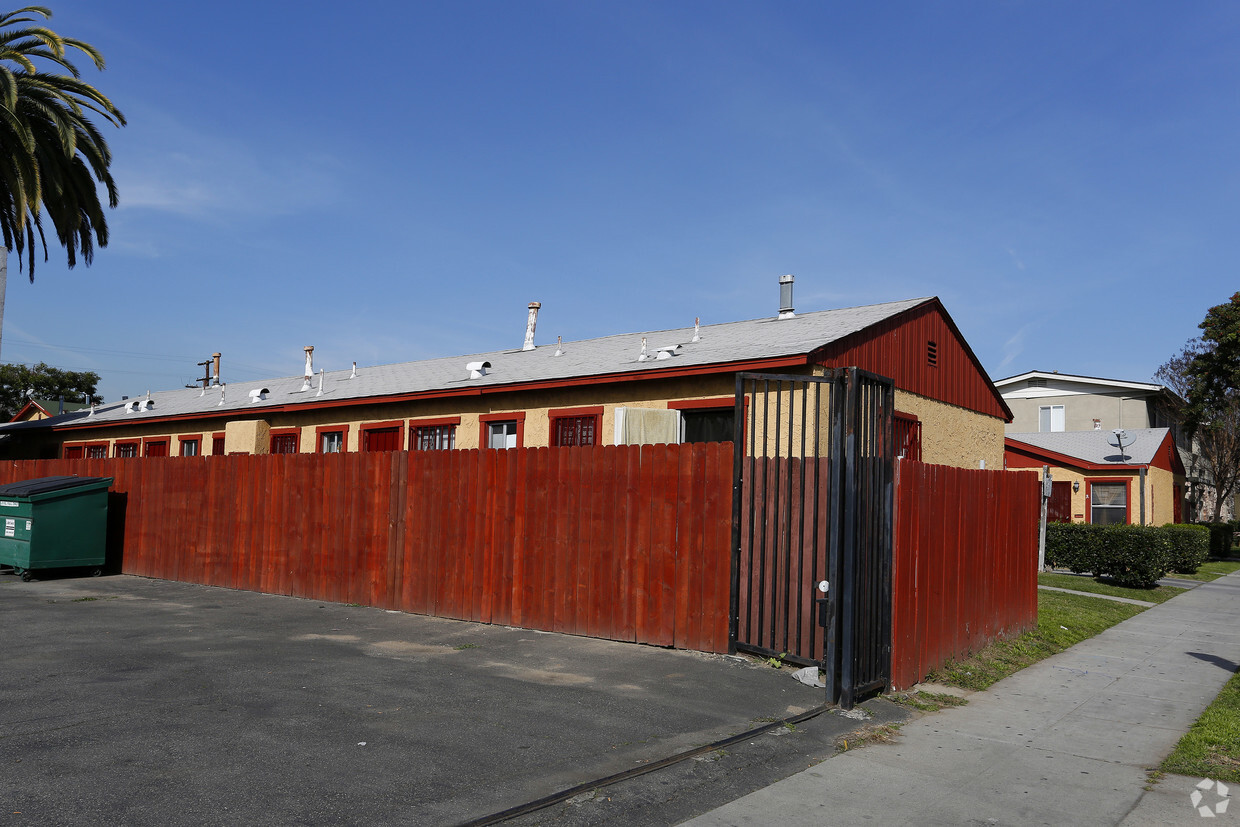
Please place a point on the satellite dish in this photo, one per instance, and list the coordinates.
(1120, 438)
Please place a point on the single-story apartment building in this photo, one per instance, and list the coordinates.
(1097, 478)
(655, 386)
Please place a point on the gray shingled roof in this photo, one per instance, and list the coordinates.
(1092, 446)
(766, 338)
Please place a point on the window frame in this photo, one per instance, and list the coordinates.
(717, 403)
(556, 415)
(1089, 497)
(281, 434)
(189, 439)
(135, 444)
(218, 444)
(370, 427)
(485, 420)
(158, 440)
(96, 446)
(80, 447)
(1050, 419)
(912, 436)
(323, 430)
(442, 422)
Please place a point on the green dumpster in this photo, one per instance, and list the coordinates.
(54, 522)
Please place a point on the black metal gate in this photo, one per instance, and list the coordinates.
(811, 524)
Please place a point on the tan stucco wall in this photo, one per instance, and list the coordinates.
(1159, 492)
(954, 436)
(249, 436)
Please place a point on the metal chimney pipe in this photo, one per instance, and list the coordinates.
(215, 357)
(530, 324)
(785, 297)
(309, 349)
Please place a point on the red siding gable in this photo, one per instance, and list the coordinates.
(922, 351)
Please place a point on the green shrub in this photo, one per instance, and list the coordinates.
(1073, 546)
(1134, 555)
(1131, 555)
(1189, 546)
(1220, 538)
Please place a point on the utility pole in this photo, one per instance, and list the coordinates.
(1046, 495)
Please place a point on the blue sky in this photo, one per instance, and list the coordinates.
(397, 180)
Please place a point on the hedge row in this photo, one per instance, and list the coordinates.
(1221, 537)
(1131, 555)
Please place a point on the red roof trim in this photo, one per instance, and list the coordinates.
(28, 406)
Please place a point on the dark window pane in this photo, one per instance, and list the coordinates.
(710, 425)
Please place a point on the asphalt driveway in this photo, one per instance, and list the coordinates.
(144, 702)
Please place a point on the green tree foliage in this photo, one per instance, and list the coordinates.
(16, 381)
(1206, 373)
(51, 153)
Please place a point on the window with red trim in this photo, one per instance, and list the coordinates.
(72, 452)
(126, 449)
(574, 430)
(155, 448)
(502, 430)
(908, 436)
(284, 442)
(381, 439)
(189, 447)
(97, 451)
(432, 437)
(1108, 503)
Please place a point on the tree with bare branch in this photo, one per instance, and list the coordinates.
(1206, 374)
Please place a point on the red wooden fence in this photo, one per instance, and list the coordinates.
(965, 568)
(624, 543)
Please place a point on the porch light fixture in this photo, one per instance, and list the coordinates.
(1076, 486)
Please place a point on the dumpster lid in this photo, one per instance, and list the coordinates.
(41, 485)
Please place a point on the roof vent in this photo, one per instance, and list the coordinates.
(309, 374)
(697, 329)
(785, 297)
(477, 370)
(641, 357)
(258, 395)
(668, 352)
(559, 345)
(530, 324)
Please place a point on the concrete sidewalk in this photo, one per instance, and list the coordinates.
(1065, 741)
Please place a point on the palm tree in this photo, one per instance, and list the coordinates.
(51, 154)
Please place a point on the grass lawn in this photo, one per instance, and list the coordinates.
(1063, 619)
(1211, 571)
(1158, 594)
(1211, 749)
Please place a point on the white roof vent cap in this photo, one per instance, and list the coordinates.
(258, 394)
(669, 352)
(477, 370)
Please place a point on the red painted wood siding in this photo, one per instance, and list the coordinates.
(965, 567)
(626, 543)
(896, 348)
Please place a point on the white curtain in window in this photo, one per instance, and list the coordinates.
(647, 426)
